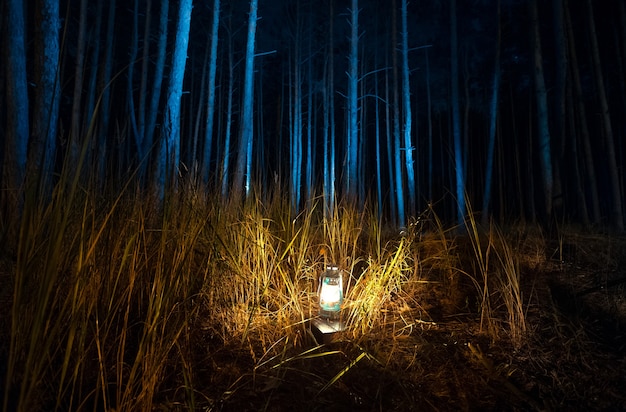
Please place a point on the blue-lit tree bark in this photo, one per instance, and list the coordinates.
(541, 97)
(295, 139)
(329, 122)
(493, 116)
(169, 154)
(390, 150)
(46, 111)
(353, 132)
(406, 96)
(379, 179)
(229, 116)
(16, 141)
(208, 139)
(429, 117)
(244, 162)
(159, 69)
(397, 147)
(456, 116)
(310, 155)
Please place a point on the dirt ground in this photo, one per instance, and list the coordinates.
(433, 355)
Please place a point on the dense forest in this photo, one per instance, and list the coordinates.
(512, 106)
(177, 177)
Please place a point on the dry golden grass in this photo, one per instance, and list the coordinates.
(126, 304)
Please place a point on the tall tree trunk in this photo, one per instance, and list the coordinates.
(130, 84)
(79, 68)
(429, 115)
(310, 158)
(617, 217)
(576, 161)
(101, 155)
(229, 116)
(456, 117)
(379, 179)
(406, 94)
(545, 153)
(199, 115)
(246, 133)
(353, 132)
(169, 155)
(16, 141)
(397, 149)
(42, 149)
(208, 139)
(296, 128)
(331, 108)
(493, 116)
(559, 112)
(391, 163)
(145, 60)
(583, 127)
(93, 64)
(159, 69)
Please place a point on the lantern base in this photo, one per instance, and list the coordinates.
(324, 329)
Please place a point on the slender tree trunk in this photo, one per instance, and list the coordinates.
(559, 112)
(406, 94)
(353, 132)
(545, 153)
(130, 85)
(16, 140)
(617, 217)
(391, 163)
(493, 116)
(331, 109)
(309, 131)
(296, 130)
(246, 135)
(199, 111)
(145, 60)
(159, 69)
(169, 156)
(94, 63)
(456, 118)
(229, 116)
(429, 115)
(101, 155)
(397, 149)
(583, 127)
(379, 181)
(576, 161)
(326, 136)
(47, 96)
(76, 131)
(208, 139)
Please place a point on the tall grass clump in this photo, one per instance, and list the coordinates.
(496, 276)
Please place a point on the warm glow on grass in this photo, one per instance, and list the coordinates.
(115, 303)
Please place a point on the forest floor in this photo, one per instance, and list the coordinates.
(432, 347)
(435, 355)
